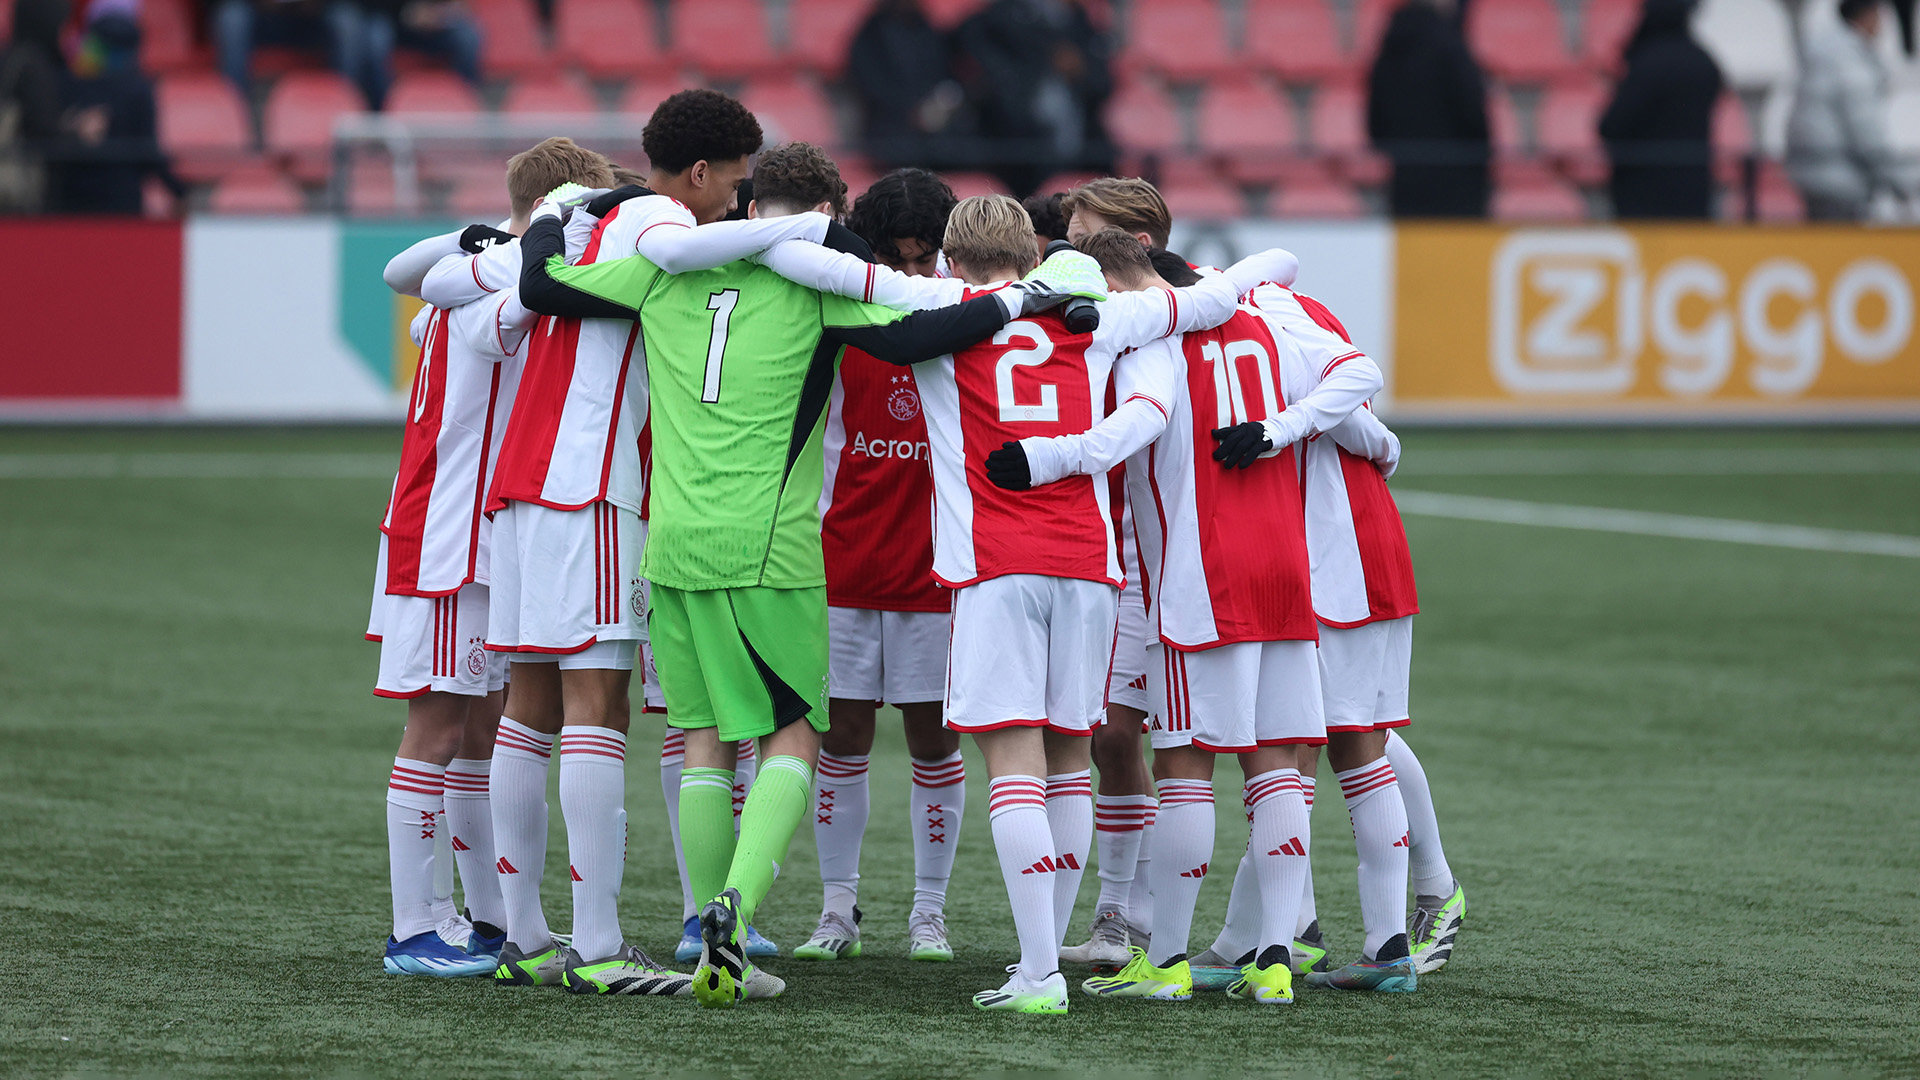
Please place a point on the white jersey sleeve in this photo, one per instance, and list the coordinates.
(670, 239)
(406, 271)
(826, 270)
(493, 328)
(461, 278)
(1146, 384)
(1129, 320)
(1365, 435)
(417, 329)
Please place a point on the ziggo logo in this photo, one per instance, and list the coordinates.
(1556, 348)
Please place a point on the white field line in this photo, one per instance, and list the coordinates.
(1649, 523)
(199, 465)
(1646, 461)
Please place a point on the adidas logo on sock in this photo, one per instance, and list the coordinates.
(575, 874)
(505, 867)
(1197, 872)
(1291, 847)
(1402, 842)
(1048, 865)
(460, 845)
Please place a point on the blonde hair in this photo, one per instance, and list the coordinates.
(533, 172)
(990, 232)
(1119, 254)
(1130, 203)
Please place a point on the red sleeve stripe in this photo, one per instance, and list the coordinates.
(868, 297)
(1337, 361)
(497, 335)
(657, 224)
(1173, 313)
(1155, 404)
(474, 263)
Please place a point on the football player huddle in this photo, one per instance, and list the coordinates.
(790, 459)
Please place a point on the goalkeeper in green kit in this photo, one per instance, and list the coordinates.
(740, 365)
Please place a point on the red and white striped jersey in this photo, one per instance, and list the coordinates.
(1224, 551)
(1362, 568)
(579, 432)
(876, 507)
(462, 399)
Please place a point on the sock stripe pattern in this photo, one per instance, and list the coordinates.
(673, 749)
(1267, 785)
(715, 778)
(1307, 784)
(1006, 793)
(791, 764)
(935, 774)
(601, 742)
(1122, 813)
(1370, 778)
(1184, 792)
(522, 739)
(471, 780)
(417, 777)
(835, 767)
(1062, 785)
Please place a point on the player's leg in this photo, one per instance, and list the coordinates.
(1439, 904)
(1069, 819)
(1121, 807)
(593, 797)
(915, 677)
(1140, 897)
(470, 816)
(1079, 664)
(841, 800)
(517, 792)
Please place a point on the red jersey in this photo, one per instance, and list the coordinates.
(876, 507)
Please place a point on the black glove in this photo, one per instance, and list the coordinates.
(476, 238)
(1007, 467)
(1242, 444)
(601, 204)
(1038, 296)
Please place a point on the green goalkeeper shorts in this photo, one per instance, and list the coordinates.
(746, 661)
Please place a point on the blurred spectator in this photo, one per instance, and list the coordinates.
(32, 75)
(338, 27)
(112, 144)
(1427, 111)
(440, 28)
(1659, 128)
(1038, 74)
(1838, 151)
(904, 83)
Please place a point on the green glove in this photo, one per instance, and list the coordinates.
(1073, 273)
(565, 193)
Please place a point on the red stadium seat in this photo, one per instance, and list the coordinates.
(1296, 38)
(1245, 116)
(203, 123)
(432, 92)
(642, 96)
(166, 36)
(1543, 200)
(1503, 120)
(967, 184)
(300, 115)
(608, 38)
(949, 13)
(513, 42)
(819, 32)
(1216, 200)
(1732, 132)
(1338, 118)
(1369, 24)
(1520, 40)
(1604, 29)
(858, 172)
(479, 193)
(1324, 199)
(257, 190)
(1569, 126)
(725, 39)
(1183, 39)
(371, 191)
(548, 95)
(1142, 118)
(793, 109)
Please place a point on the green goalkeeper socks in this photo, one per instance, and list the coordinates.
(706, 829)
(775, 806)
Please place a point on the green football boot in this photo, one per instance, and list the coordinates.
(1048, 997)
(720, 980)
(1433, 927)
(1140, 979)
(520, 968)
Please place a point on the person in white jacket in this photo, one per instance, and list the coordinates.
(1838, 150)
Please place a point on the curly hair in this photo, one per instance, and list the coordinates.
(1048, 221)
(699, 125)
(799, 176)
(905, 204)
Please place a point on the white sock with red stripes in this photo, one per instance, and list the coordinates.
(470, 820)
(593, 798)
(518, 793)
(1309, 911)
(1070, 819)
(413, 810)
(1017, 813)
(939, 803)
(1380, 836)
(1140, 898)
(1182, 849)
(1118, 821)
(840, 811)
(673, 757)
(1426, 859)
(1279, 848)
(1241, 930)
(746, 765)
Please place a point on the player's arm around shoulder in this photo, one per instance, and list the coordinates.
(1365, 435)
(405, 271)
(494, 328)
(847, 275)
(901, 337)
(1146, 382)
(603, 290)
(1128, 320)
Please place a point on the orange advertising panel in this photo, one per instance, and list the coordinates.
(1653, 321)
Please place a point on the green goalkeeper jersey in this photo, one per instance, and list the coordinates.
(738, 381)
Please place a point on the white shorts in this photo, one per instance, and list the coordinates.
(434, 643)
(566, 579)
(1030, 651)
(1132, 634)
(1235, 698)
(652, 700)
(898, 657)
(599, 656)
(1363, 674)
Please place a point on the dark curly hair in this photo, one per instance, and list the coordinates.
(1048, 221)
(904, 204)
(799, 176)
(699, 125)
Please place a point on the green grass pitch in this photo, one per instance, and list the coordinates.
(1678, 778)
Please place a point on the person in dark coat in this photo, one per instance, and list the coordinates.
(902, 78)
(1659, 128)
(113, 145)
(1427, 111)
(1038, 74)
(33, 75)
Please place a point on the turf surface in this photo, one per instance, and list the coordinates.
(1676, 777)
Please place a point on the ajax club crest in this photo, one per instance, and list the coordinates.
(903, 402)
(476, 658)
